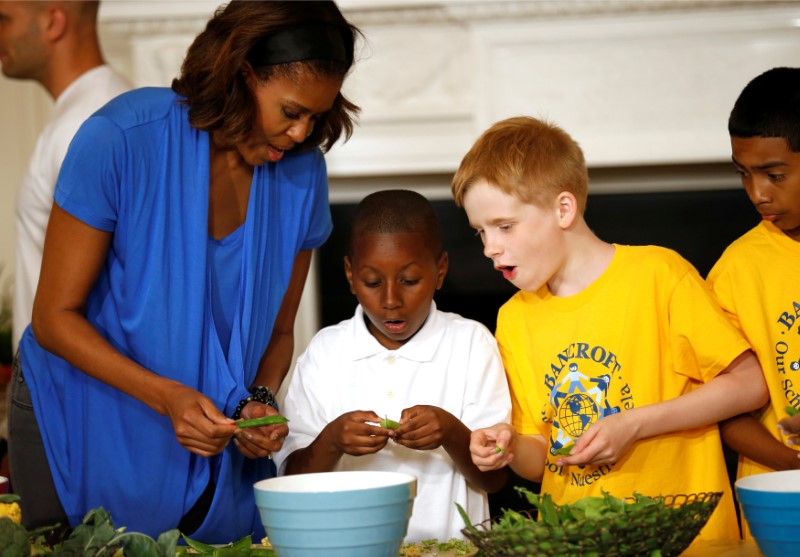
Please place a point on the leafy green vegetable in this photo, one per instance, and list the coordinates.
(13, 539)
(96, 536)
(240, 548)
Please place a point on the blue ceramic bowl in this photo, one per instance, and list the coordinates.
(337, 514)
(771, 506)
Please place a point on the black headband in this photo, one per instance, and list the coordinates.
(310, 41)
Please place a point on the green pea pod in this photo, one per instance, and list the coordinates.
(791, 410)
(386, 423)
(566, 449)
(262, 421)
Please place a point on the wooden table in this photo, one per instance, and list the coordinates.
(723, 549)
(701, 549)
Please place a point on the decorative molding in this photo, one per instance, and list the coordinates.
(432, 75)
(471, 11)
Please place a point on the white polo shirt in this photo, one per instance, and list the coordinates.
(452, 363)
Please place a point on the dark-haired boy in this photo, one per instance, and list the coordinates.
(399, 358)
(756, 279)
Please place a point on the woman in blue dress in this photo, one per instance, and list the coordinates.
(174, 261)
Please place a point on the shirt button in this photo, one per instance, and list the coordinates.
(390, 393)
(390, 360)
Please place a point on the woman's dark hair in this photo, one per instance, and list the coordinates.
(769, 106)
(212, 79)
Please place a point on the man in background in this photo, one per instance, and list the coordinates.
(56, 44)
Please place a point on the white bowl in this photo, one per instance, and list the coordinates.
(337, 514)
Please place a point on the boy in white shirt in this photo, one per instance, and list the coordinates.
(438, 374)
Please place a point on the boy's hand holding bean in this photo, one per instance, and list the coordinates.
(493, 447)
(604, 442)
(424, 428)
(356, 433)
(790, 426)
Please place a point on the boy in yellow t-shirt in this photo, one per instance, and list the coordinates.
(619, 361)
(756, 279)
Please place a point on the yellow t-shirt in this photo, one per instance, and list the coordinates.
(647, 330)
(756, 283)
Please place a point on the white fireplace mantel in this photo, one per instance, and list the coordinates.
(636, 82)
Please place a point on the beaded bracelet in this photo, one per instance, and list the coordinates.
(258, 394)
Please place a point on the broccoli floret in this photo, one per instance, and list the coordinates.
(14, 540)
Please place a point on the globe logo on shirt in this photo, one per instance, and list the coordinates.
(576, 413)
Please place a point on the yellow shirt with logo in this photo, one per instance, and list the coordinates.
(756, 283)
(647, 330)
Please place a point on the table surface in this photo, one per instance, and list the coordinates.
(723, 549)
(700, 549)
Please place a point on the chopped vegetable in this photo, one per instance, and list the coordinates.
(262, 421)
(791, 410)
(498, 449)
(434, 547)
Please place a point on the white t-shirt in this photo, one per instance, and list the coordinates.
(452, 363)
(76, 103)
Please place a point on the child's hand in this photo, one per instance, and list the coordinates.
(424, 428)
(605, 441)
(492, 447)
(352, 434)
(791, 427)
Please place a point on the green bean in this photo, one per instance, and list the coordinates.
(386, 423)
(566, 449)
(791, 410)
(262, 421)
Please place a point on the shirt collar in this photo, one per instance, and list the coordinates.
(421, 348)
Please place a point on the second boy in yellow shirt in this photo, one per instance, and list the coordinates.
(620, 350)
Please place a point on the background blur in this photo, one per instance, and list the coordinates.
(645, 86)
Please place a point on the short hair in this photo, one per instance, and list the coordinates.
(391, 211)
(769, 106)
(530, 159)
(213, 84)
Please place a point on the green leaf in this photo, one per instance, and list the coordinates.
(203, 548)
(168, 541)
(138, 545)
(465, 518)
(244, 543)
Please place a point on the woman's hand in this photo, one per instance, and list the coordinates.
(199, 425)
(424, 428)
(493, 447)
(258, 442)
